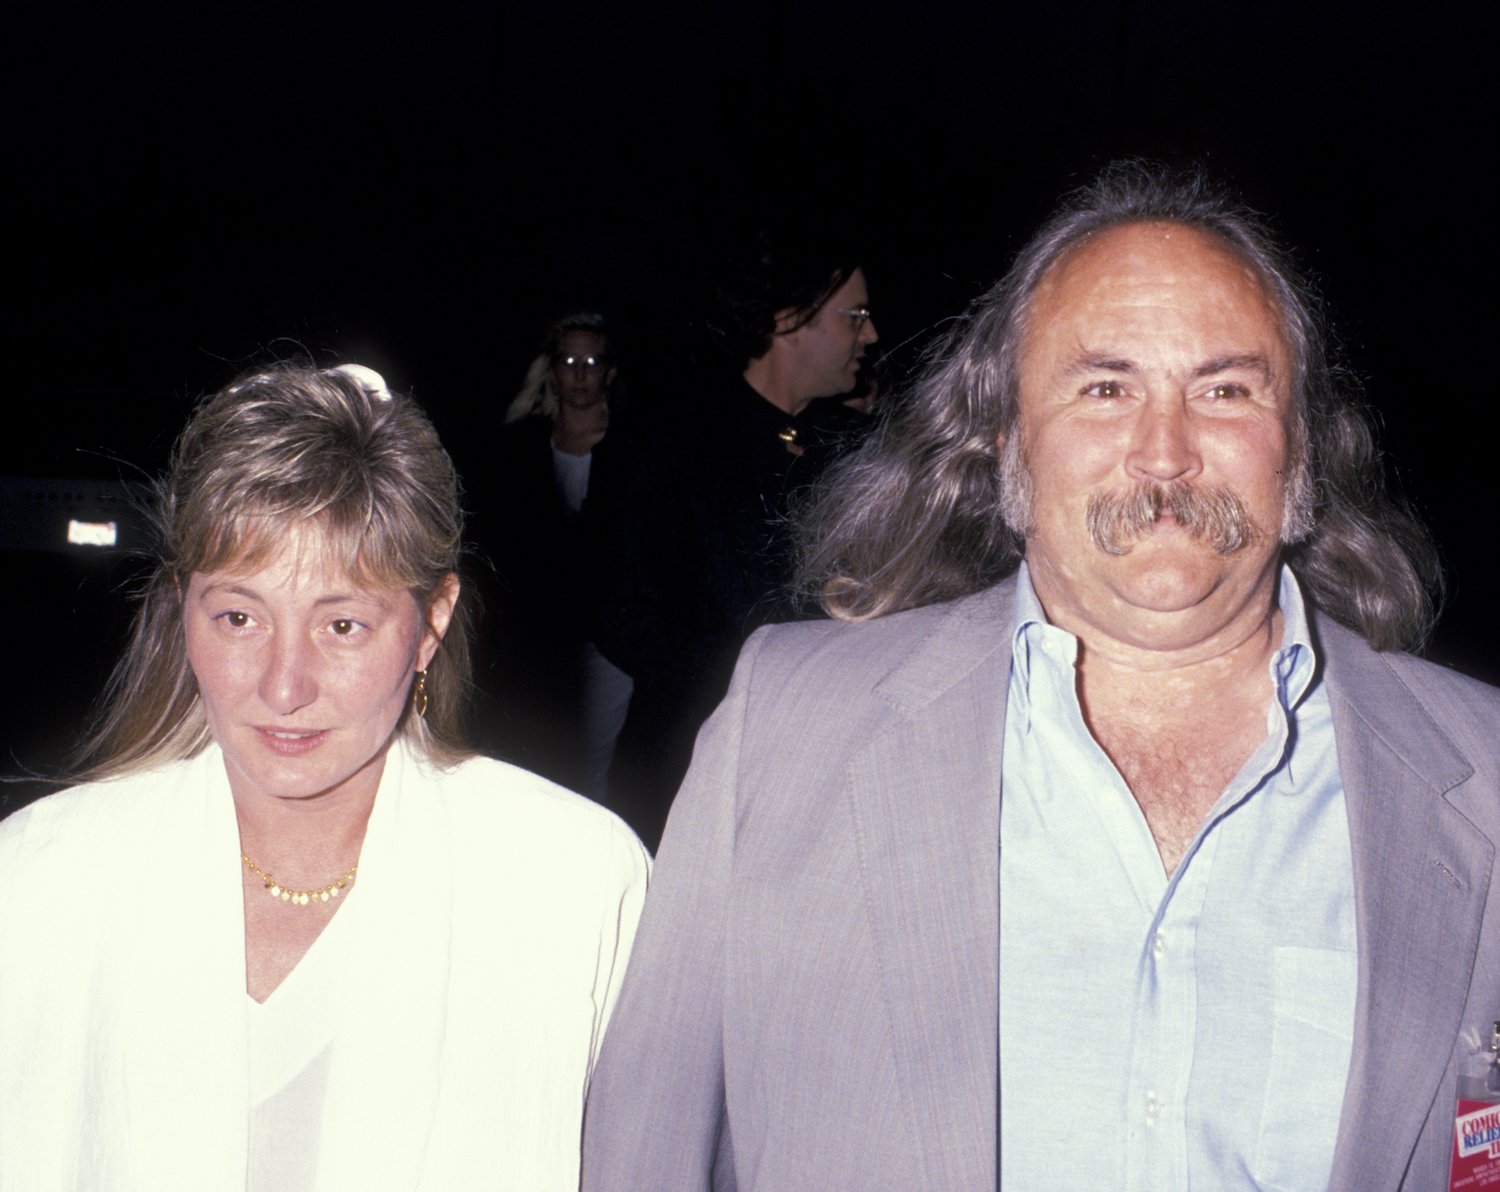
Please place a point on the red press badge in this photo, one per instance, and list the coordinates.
(1476, 1125)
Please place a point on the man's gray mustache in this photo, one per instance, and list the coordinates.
(1216, 515)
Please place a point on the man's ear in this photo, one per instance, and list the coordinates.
(439, 614)
(786, 322)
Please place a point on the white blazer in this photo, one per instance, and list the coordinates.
(497, 914)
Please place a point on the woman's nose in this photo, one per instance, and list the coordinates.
(289, 681)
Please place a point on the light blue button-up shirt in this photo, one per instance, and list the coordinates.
(1191, 1033)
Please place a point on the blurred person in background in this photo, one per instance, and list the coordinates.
(699, 508)
(560, 701)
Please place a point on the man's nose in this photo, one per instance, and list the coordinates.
(867, 332)
(289, 681)
(1163, 444)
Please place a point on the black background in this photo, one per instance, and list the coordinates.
(422, 188)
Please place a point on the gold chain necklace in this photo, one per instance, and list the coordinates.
(298, 897)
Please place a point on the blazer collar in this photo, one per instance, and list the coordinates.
(170, 1042)
(959, 649)
(183, 1059)
(1421, 876)
(925, 796)
(387, 1057)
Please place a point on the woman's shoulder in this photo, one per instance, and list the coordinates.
(525, 439)
(490, 799)
(103, 806)
(69, 832)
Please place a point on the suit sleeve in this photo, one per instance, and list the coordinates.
(657, 1115)
(626, 870)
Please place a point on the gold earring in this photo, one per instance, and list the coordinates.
(419, 694)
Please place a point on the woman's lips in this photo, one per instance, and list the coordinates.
(291, 742)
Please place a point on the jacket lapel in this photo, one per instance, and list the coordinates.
(388, 1053)
(171, 1053)
(1421, 875)
(926, 801)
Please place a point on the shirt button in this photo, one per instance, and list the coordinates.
(1153, 1107)
(1158, 945)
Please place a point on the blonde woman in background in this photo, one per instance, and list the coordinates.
(562, 701)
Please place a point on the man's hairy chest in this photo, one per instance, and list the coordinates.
(1178, 774)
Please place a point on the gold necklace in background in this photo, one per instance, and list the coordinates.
(298, 897)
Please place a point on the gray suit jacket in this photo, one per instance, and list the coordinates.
(812, 1001)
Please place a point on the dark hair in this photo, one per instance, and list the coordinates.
(915, 516)
(273, 450)
(777, 271)
(577, 320)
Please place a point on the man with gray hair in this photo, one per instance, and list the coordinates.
(1107, 838)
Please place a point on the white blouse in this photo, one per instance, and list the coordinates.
(291, 1036)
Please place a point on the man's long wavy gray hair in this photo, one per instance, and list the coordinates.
(928, 509)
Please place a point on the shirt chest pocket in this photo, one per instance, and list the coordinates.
(1311, 1039)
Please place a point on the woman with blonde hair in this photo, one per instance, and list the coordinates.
(289, 934)
(541, 524)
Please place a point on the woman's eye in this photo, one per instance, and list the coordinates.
(343, 627)
(237, 620)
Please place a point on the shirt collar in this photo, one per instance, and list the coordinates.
(1291, 667)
